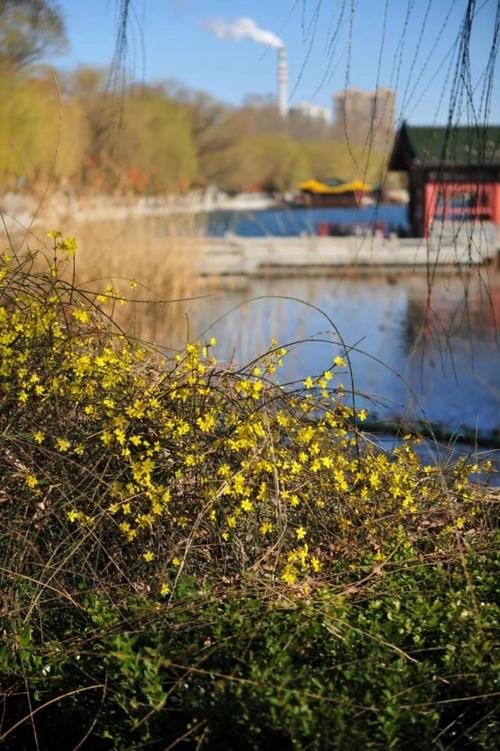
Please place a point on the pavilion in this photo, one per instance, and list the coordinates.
(453, 174)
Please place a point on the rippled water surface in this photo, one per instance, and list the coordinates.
(433, 357)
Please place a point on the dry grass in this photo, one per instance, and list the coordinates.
(157, 254)
(151, 261)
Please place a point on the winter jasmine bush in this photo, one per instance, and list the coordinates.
(196, 555)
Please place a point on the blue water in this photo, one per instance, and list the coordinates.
(292, 222)
(411, 359)
(434, 361)
(432, 358)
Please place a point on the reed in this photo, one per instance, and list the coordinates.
(150, 261)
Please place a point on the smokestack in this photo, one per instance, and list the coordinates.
(246, 28)
(282, 82)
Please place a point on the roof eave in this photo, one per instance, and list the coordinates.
(403, 154)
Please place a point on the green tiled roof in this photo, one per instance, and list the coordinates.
(455, 146)
(432, 146)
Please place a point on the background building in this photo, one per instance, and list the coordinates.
(356, 112)
(309, 121)
(311, 111)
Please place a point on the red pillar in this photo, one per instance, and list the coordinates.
(495, 203)
(430, 198)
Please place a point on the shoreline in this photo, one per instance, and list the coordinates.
(273, 256)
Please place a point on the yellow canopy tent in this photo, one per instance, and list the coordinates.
(316, 186)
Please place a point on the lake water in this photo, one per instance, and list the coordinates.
(419, 354)
(293, 222)
(435, 360)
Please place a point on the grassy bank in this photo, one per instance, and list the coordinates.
(197, 557)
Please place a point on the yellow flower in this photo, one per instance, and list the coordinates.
(289, 576)
(266, 527)
(224, 470)
(31, 481)
(81, 315)
(68, 245)
(62, 444)
(247, 505)
(309, 383)
(316, 564)
(206, 423)
(301, 533)
(106, 438)
(164, 589)
(340, 362)
(120, 435)
(176, 561)
(316, 465)
(38, 437)
(149, 556)
(238, 484)
(362, 415)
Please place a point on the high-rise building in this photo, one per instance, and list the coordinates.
(356, 111)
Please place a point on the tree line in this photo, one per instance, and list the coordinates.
(79, 129)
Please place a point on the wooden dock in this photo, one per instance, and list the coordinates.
(234, 255)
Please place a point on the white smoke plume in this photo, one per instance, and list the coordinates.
(243, 28)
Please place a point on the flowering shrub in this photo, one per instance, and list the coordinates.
(181, 463)
(129, 474)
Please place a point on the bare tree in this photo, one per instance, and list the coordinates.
(29, 29)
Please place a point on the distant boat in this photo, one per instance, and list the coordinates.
(335, 192)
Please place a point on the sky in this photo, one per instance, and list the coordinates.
(330, 45)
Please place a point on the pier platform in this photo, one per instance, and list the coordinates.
(234, 255)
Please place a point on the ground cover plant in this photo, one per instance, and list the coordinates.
(195, 556)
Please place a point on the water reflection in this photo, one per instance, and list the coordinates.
(432, 357)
